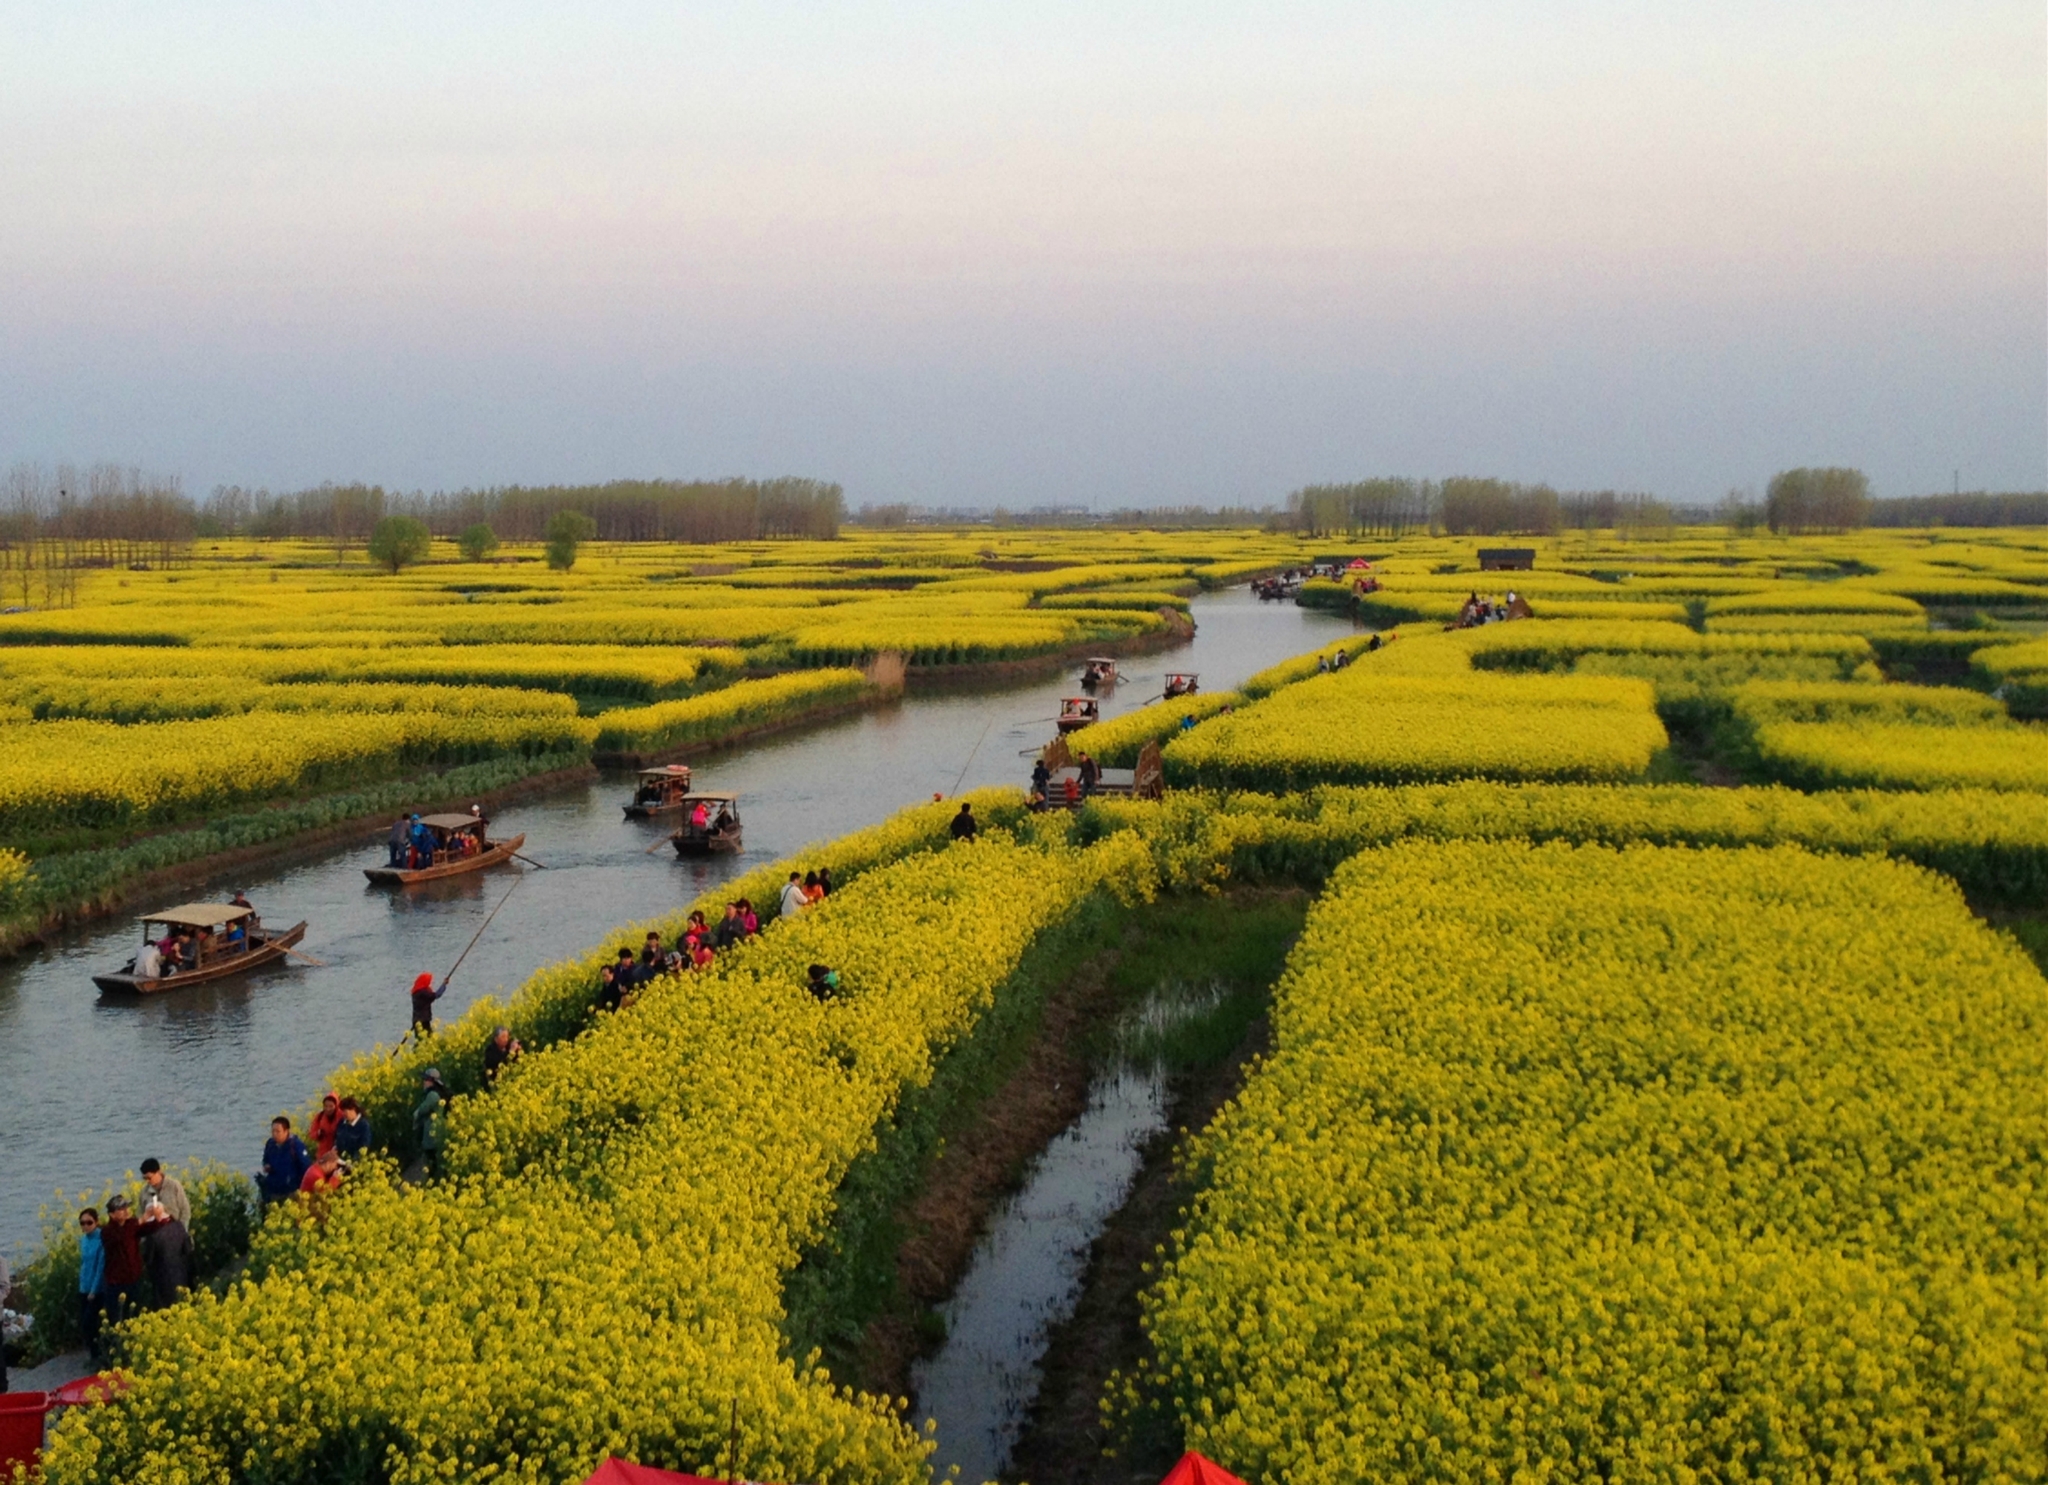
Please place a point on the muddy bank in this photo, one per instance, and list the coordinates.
(1064, 1437)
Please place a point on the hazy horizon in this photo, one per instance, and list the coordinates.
(965, 256)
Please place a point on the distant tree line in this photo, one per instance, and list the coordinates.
(55, 522)
(1979, 509)
(623, 510)
(1466, 506)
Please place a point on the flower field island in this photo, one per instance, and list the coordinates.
(1607, 1037)
(260, 688)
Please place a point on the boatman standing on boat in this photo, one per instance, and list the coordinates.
(423, 997)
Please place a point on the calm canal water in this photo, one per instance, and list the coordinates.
(92, 1084)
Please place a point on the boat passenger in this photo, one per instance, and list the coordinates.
(401, 840)
(149, 964)
(700, 817)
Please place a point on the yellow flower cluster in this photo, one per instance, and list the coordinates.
(603, 1273)
(83, 774)
(723, 713)
(1657, 1164)
(1117, 742)
(1995, 844)
(1898, 755)
(1362, 725)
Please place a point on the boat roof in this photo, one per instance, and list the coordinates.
(710, 798)
(1182, 675)
(449, 822)
(198, 914)
(667, 771)
(1102, 659)
(1077, 701)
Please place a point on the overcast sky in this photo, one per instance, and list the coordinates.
(962, 253)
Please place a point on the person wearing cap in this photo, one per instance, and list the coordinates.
(121, 1279)
(167, 1189)
(423, 997)
(323, 1176)
(427, 1118)
(284, 1162)
(498, 1051)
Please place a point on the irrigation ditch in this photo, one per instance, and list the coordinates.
(986, 1258)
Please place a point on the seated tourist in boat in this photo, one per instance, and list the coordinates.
(700, 816)
(149, 964)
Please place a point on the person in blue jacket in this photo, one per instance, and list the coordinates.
(92, 1275)
(284, 1162)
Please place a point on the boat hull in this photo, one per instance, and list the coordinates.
(402, 876)
(650, 811)
(270, 951)
(706, 845)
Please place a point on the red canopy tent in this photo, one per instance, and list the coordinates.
(619, 1472)
(1195, 1470)
(1192, 1470)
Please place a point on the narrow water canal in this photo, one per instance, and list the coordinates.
(91, 1084)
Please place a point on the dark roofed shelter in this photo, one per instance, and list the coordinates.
(1507, 559)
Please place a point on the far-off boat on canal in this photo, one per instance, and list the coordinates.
(197, 943)
(661, 791)
(711, 824)
(459, 844)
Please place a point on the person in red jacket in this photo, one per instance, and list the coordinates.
(121, 1281)
(325, 1123)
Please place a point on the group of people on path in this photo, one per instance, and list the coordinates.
(133, 1260)
(1475, 610)
(341, 1135)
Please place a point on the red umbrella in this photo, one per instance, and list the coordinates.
(1195, 1470)
(619, 1472)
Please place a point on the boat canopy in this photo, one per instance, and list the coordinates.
(693, 797)
(667, 771)
(1109, 660)
(450, 822)
(199, 915)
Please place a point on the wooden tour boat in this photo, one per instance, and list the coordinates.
(661, 791)
(1099, 671)
(1146, 781)
(461, 844)
(1077, 712)
(227, 940)
(720, 830)
(1179, 683)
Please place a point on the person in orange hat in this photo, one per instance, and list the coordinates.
(423, 997)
